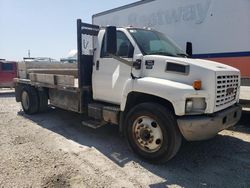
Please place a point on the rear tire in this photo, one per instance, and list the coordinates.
(43, 101)
(152, 132)
(29, 100)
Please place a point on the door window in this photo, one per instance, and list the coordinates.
(124, 46)
(7, 66)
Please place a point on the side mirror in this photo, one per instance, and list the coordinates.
(110, 40)
(189, 49)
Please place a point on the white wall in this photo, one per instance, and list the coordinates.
(214, 26)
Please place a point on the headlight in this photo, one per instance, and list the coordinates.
(195, 105)
(189, 105)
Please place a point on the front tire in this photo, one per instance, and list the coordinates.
(152, 132)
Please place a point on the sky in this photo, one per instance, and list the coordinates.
(45, 27)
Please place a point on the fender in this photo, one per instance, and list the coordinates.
(174, 92)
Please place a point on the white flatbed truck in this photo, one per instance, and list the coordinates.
(140, 81)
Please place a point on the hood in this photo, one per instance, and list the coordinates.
(186, 71)
(198, 69)
(207, 64)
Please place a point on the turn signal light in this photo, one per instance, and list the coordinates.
(197, 85)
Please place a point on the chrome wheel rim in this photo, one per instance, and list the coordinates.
(25, 100)
(147, 134)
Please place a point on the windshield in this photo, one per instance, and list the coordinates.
(155, 43)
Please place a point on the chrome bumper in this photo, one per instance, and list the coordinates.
(204, 127)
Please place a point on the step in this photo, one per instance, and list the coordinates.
(101, 112)
(92, 123)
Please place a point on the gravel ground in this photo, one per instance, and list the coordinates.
(54, 150)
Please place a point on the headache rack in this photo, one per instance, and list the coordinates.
(85, 39)
(85, 34)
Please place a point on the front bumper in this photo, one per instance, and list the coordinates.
(203, 127)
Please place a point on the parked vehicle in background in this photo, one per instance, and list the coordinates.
(68, 60)
(8, 71)
(40, 59)
(218, 29)
(71, 58)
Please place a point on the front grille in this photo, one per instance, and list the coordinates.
(227, 88)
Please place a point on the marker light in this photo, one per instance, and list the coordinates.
(197, 85)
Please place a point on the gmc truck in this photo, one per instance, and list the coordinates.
(139, 80)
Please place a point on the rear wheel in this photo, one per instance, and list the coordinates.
(43, 101)
(29, 100)
(152, 132)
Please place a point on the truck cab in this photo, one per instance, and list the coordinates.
(140, 80)
(159, 61)
(8, 71)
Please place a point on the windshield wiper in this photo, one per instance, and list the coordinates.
(162, 53)
(182, 55)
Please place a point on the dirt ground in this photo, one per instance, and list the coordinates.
(53, 149)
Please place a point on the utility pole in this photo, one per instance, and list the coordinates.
(29, 53)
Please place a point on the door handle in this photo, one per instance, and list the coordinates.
(97, 65)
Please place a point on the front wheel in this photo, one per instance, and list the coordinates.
(152, 132)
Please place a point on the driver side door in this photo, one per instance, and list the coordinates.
(110, 75)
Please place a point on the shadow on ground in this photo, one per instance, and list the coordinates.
(221, 161)
(245, 119)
